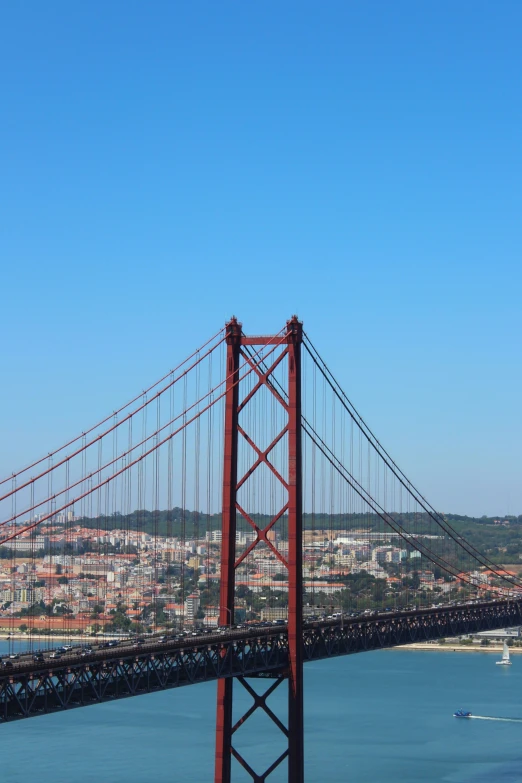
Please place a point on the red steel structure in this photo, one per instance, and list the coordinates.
(293, 676)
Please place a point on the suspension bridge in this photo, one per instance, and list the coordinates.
(231, 522)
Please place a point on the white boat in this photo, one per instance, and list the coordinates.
(504, 661)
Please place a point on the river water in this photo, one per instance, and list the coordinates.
(378, 717)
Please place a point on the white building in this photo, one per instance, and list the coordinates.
(192, 603)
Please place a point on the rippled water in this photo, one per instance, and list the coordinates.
(380, 716)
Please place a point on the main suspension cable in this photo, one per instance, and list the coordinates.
(397, 472)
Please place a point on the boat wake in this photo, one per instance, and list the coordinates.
(489, 717)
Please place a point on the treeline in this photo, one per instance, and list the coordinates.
(194, 524)
(502, 544)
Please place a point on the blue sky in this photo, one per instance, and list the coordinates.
(165, 165)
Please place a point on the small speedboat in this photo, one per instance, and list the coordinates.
(462, 714)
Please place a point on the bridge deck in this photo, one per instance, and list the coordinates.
(28, 688)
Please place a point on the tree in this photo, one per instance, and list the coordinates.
(23, 627)
(161, 617)
(378, 590)
(120, 622)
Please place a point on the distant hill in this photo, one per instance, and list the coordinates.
(500, 542)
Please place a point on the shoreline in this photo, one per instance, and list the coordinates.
(475, 648)
(56, 638)
(492, 649)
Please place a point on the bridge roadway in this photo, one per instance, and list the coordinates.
(29, 688)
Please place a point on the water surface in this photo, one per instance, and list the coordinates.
(379, 716)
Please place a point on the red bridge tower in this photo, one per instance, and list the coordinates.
(289, 348)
